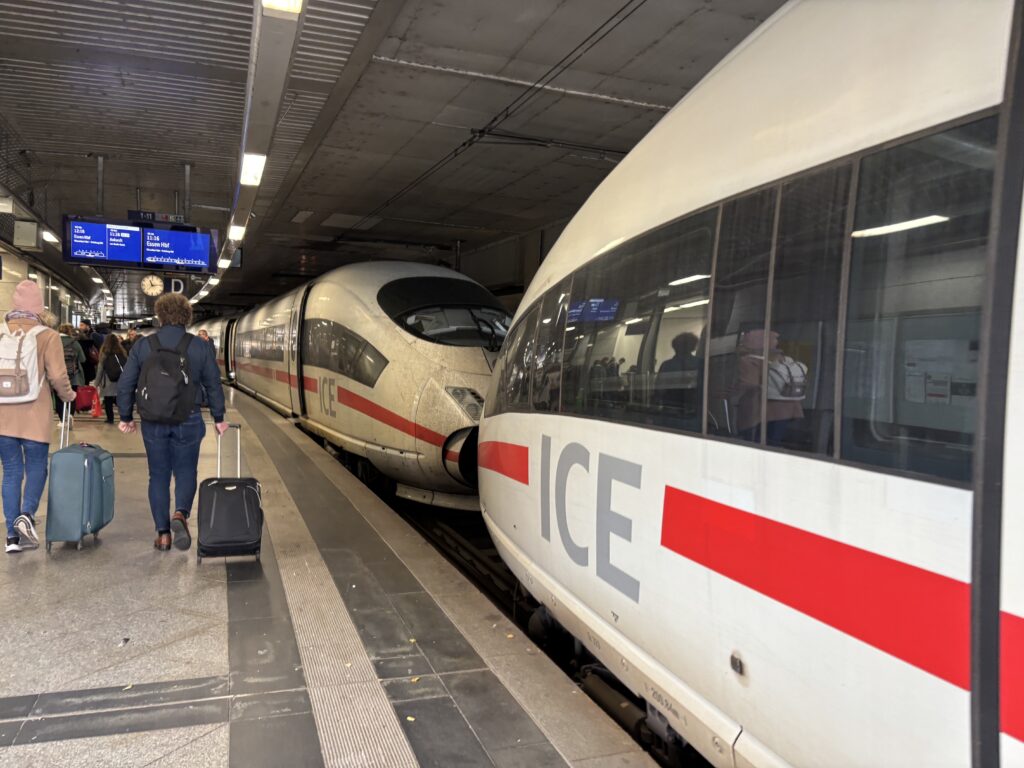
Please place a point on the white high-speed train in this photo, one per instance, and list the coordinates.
(393, 360)
(734, 440)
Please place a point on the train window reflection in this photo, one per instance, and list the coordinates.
(459, 326)
(547, 366)
(800, 396)
(635, 326)
(332, 346)
(516, 375)
(738, 341)
(917, 279)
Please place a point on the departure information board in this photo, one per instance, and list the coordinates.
(174, 249)
(117, 244)
(135, 246)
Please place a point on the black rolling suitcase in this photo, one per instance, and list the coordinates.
(230, 512)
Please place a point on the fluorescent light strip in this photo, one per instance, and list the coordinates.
(236, 232)
(634, 320)
(97, 279)
(214, 281)
(224, 263)
(901, 226)
(287, 6)
(50, 237)
(252, 169)
(687, 305)
(690, 279)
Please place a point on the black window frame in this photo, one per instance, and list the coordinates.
(854, 161)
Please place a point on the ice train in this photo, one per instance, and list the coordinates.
(386, 360)
(734, 439)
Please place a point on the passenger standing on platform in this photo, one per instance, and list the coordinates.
(129, 342)
(74, 359)
(113, 359)
(90, 342)
(25, 428)
(172, 370)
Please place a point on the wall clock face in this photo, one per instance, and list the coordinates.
(152, 285)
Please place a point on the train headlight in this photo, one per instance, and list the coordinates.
(469, 401)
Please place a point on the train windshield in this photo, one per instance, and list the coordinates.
(460, 326)
(446, 310)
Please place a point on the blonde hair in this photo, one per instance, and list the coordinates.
(173, 309)
(66, 329)
(48, 318)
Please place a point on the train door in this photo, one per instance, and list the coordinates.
(292, 344)
(299, 322)
(997, 589)
(228, 343)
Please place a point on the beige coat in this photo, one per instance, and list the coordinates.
(34, 421)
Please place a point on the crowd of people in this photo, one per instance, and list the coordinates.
(68, 358)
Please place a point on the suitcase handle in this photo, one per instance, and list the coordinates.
(237, 427)
(65, 427)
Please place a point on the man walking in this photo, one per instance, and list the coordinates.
(168, 375)
(90, 341)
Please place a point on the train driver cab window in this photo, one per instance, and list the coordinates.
(738, 341)
(800, 394)
(468, 315)
(917, 280)
(634, 333)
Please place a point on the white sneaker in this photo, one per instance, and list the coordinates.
(12, 545)
(26, 532)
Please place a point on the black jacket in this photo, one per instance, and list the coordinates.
(201, 362)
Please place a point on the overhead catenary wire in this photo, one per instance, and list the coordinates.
(529, 93)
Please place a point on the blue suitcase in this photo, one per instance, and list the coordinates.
(81, 496)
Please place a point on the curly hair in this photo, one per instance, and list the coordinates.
(173, 309)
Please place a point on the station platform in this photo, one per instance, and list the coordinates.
(352, 642)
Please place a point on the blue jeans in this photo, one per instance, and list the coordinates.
(23, 460)
(172, 449)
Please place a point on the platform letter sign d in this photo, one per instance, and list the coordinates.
(174, 285)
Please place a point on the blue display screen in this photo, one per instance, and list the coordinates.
(593, 311)
(171, 248)
(96, 241)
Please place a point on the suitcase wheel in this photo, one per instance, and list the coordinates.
(96, 538)
(49, 547)
(78, 545)
(257, 555)
(199, 559)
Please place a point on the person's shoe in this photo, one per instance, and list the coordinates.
(13, 545)
(29, 539)
(163, 542)
(179, 527)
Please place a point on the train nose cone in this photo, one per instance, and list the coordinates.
(460, 455)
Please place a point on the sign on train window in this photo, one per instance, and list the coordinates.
(917, 279)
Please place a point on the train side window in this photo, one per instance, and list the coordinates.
(737, 346)
(369, 365)
(800, 396)
(547, 362)
(917, 280)
(518, 364)
(635, 324)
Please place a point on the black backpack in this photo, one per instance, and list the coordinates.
(70, 358)
(166, 393)
(113, 366)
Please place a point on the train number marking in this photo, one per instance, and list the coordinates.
(607, 521)
(328, 395)
(664, 703)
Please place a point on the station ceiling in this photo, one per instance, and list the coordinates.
(408, 128)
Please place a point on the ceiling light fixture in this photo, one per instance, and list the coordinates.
(236, 232)
(97, 279)
(252, 169)
(49, 237)
(224, 263)
(214, 281)
(687, 305)
(690, 279)
(287, 6)
(33, 276)
(888, 229)
(301, 216)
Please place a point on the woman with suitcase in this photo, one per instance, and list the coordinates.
(26, 423)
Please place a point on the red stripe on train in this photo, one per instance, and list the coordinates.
(918, 616)
(310, 384)
(359, 403)
(506, 459)
(1011, 675)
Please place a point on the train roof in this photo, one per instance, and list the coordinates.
(789, 98)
